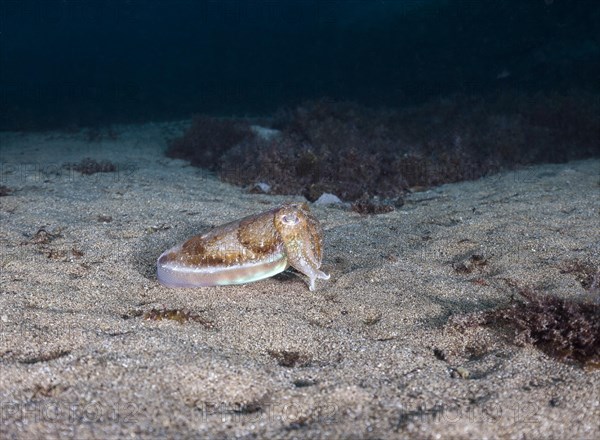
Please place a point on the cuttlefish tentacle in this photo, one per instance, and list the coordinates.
(253, 248)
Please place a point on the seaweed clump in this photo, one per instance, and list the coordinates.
(562, 328)
(358, 153)
(331, 147)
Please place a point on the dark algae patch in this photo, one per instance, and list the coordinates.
(563, 328)
(90, 166)
(359, 153)
(177, 315)
(290, 359)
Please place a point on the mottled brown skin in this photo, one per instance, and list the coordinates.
(250, 238)
(247, 249)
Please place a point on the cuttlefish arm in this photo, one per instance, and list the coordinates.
(302, 238)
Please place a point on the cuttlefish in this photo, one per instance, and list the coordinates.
(250, 249)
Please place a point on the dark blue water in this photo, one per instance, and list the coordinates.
(92, 63)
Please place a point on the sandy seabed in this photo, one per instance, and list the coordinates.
(367, 355)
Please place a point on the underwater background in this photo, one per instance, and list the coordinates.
(92, 63)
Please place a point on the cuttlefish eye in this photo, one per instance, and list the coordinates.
(290, 219)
